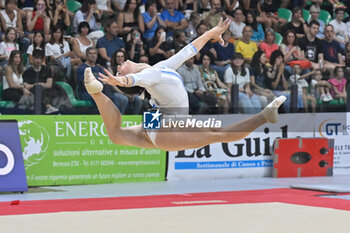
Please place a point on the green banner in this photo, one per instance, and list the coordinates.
(61, 150)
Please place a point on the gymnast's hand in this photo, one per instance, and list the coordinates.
(110, 79)
(219, 29)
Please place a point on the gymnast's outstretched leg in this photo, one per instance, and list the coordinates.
(132, 136)
(194, 138)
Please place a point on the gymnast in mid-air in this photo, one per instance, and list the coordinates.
(167, 91)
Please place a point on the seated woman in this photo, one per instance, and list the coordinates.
(59, 14)
(277, 80)
(39, 19)
(89, 13)
(134, 45)
(38, 43)
(212, 82)
(81, 42)
(237, 73)
(269, 45)
(158, 48)
(258, 78)
(58, 50)
(130, 17)
(12, 81)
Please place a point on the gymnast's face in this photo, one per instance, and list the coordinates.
(127, 67)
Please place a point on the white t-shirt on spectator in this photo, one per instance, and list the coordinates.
(7, 47)
(121, 3)
(236, 29)
(102, 5)
(55, 49)
(230, 77)
(300, 82)
(340, 30)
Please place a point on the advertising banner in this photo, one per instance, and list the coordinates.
(336, 126)
(249, 157)
(12, 173)
(61, 150)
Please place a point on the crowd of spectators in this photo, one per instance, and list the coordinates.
(263, 54)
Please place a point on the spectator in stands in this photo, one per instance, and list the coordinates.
(11, 17)
(258, 32)
(269, 45)
(179, 40)
(269, 8)
(158, 48)
(258, 78)
(213, 16)
(312, 47)
(133, 102)
(299, 80)
(332, 51)
(89, 13)
(41, 75)
(39, 19)
(174, 20)
(144, 59)
(81, 41)
(231, 5)
(7, 46)
(347, 55)
(315, 14)
(298, 24)
(290, 49)
(135, 46)
(118, 5)
(105, 6)
(277, 78)
(340, 28)
(224, 54)
(38, 43)
(190, 31)
(196, 91)
(59, 14)
(129, 18)
(212, 82)
(338, 90)
(320, 88)
(245, 46)
(59, 49)
(237, 73)
(109, 43)
(208, 47)
(237, 24)
(151, 19)
(120, 101)
(255, 6)
(12, 81)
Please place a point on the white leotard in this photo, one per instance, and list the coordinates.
(164, 84)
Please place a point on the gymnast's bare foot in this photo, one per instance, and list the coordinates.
(270, 112)
(92, 85)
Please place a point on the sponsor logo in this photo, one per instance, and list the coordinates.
(10, 160)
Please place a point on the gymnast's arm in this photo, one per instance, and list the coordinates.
(175, 61)
(145, 78)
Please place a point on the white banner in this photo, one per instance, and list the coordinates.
(336, 126)
(250, 157)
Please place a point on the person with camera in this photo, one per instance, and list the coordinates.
(135, 45)
(195, 89)
(59, 14)
(212, 17)
(38, 19)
